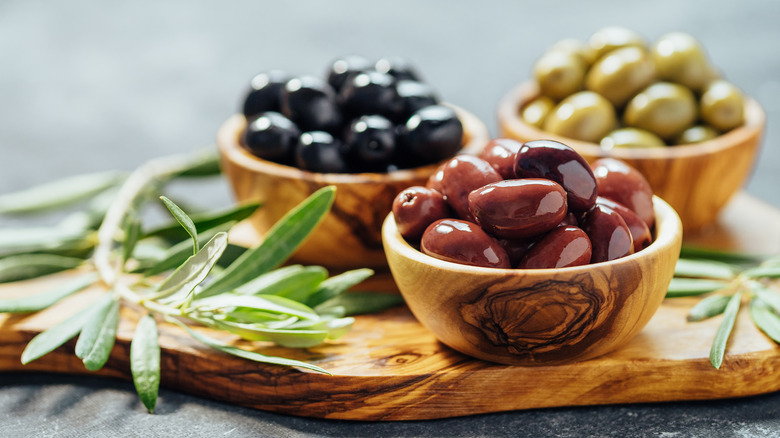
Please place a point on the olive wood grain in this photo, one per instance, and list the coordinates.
(696, 179)
(349, 236)
(389, 367)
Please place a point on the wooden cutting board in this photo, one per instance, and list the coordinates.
(391, 368)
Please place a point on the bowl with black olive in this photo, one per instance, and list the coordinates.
(370, 129)
(551, 262)
(663, 108)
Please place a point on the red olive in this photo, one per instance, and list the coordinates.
(463, 242)
(417, 207)
(500, 153)
(623, 184)
(609, 235)
(560, 248)
(434, 181)
(555, 161)
(640, 233)
(516, 248)
(461, 176)
(518, 208)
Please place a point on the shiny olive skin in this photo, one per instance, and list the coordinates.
(398, 68)
(609, 235)
(271, 136)
(633, 138)
(370, 143)
(559, 74)
(463, 242)
(434, 181)
(640, 233)
(570, 220)
(696, 134)
(536, 112)
(516, 248)
(620, 74)
(265, 92)
(462, 175)
(431, 134)
(664, 108)
(575, 47)
(611, 38)
(370, 92)
(680, 58)
(518, 208)
(722, 105)
(417, 207)
(500, 153)
(311, 103)
(560, 248)
(414, 95)
(557, 162)
(318, 151)
(623, 184)
(585, 116)
(343, 68)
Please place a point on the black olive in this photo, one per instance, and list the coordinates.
(311, 104)
(432, 134)
(370, 142)
(264, 92)
(397, 67)
(318, 151)
(371, 93)
(271, 136)
(415, 95)
(343, 68)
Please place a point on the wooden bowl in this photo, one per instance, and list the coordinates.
(350, 236)
(537, 316)
(696, 179)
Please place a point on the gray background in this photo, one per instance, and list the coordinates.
(87, 85)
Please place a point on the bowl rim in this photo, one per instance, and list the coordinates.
(668, 233)
(511, 124)
(475, 132)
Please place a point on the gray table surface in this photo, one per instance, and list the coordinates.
(87, 85)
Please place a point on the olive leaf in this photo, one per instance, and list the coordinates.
(132, 234)
(184, 220)
(703, 269)
(359, 303)
(39, 239)
(767, 296)
(190, 274)
(685, 287)
(724, 330)
(695, 252)
(284, 337)
(708, 307)
(205, 163)
(277, 246)
(37, 302)
(98, 335)
(338, 284)
(261, 303)
(294, 282)
(26, 266)
(145, 361)
(59, 193)
(762, 272)
(767, 320)
(205, 221)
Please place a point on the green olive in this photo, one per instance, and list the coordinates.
(722, 105)
(696, 134)
(537, 110)
(559, 74)
(631, 138)
(576, 47)
(610, 38)
(585, 116)
(680, 58)
(620, 74)
(664, 108)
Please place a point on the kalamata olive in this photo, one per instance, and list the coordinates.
(620, 74)
(631, 138)
(555, 161)
(722, 105)
(622, 183)
(680, 58)
(611, 38)
(417, 207)
(516, 248)
(311, 103)
(663, 108)
(569, 220)
(265, 92)
(696, 134)
(500, 153)
(463, 242)
(434, 181)
(462, 175)
(517, 208)
(536, 112)
(559, 74)
(560, 248)
(609, 235)
(344, 68)
(640, 233)
(585, 116)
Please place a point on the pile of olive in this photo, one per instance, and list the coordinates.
(531, 205)
(618, 91)
(363, 117)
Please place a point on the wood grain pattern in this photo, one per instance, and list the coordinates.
(349, 237)
(389, 367)
(697, 180)
(538, 316)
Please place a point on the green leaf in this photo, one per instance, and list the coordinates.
(37, 302)
(132, 234)
(263, 303)
(26, 266)
(205, 221)
(762, 272)
(98, 336)
(174, 256)
(283, 337)
(40, 239)
(47, 341)
(766, 295)
(694, 252)
(703, 269)
(337, 284)
(358, 303)
(204, 165)
(279, 243)
(686, 287)
(190, 274)
(293, 282)
(59, 193)
(145, 361)
(250, 355)
(724, 330)
(708, 307)
(184, 220)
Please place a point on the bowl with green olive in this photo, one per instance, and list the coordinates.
(662, 108)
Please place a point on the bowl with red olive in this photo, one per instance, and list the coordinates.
(370, 129)
(528, 255)
(663, 108)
